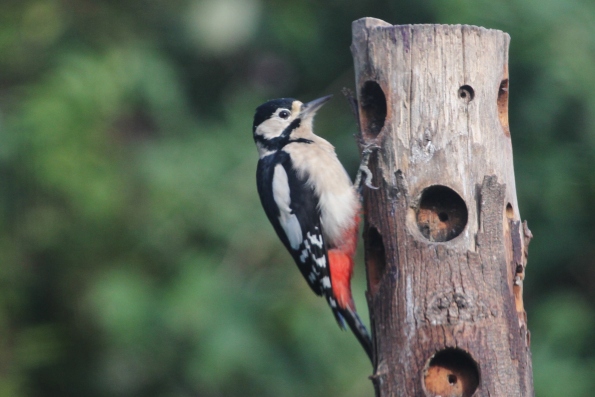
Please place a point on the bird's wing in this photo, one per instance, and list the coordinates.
(296, 219)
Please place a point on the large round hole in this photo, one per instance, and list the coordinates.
(451, 372)
(442, 213)
(372, 109)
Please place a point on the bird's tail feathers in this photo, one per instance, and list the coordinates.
(357, 327)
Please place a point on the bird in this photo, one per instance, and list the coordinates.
(311, 203)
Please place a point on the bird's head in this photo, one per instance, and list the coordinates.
(284, 118)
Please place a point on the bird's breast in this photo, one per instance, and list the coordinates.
(320, 168)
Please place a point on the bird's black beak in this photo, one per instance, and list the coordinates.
(309, 109)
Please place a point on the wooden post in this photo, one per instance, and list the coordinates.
(445, 248)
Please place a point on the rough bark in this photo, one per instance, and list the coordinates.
(445, 247)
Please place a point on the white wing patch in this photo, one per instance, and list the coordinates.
(315, 239)
(332, 302)
(289, 221)
(321, 262)
(304, 255)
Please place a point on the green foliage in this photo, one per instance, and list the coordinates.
(563, 352)
(135, 258)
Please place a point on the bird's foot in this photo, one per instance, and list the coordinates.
(364, 170)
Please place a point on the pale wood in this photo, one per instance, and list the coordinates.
(465, 293)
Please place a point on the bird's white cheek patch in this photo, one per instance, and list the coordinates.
(289, 222)
(271, 128)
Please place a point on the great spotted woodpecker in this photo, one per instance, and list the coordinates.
(311, 203)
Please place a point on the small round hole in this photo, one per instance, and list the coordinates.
(451, 372)
(509, 211)
(442, 213)
(373, 108)
(466, 93)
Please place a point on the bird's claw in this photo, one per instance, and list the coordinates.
(363, 169)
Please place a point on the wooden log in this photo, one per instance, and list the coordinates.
(445, 248)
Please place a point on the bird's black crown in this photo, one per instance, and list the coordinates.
(264, 111)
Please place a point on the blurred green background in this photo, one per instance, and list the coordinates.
(135, 259)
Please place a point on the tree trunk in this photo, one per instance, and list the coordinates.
(445, 247)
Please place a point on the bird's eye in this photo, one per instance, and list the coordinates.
(284, 114)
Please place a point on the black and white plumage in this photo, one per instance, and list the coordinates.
(310, 201)
(289, 210)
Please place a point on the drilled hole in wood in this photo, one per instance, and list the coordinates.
(443, 216)
(466, 93)
(517, 290)
(509, 211)
(375, 257)
(442, 213)
(451, 372)
(503, 106)
(373, 109)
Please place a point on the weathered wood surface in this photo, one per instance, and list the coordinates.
(445, 265)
